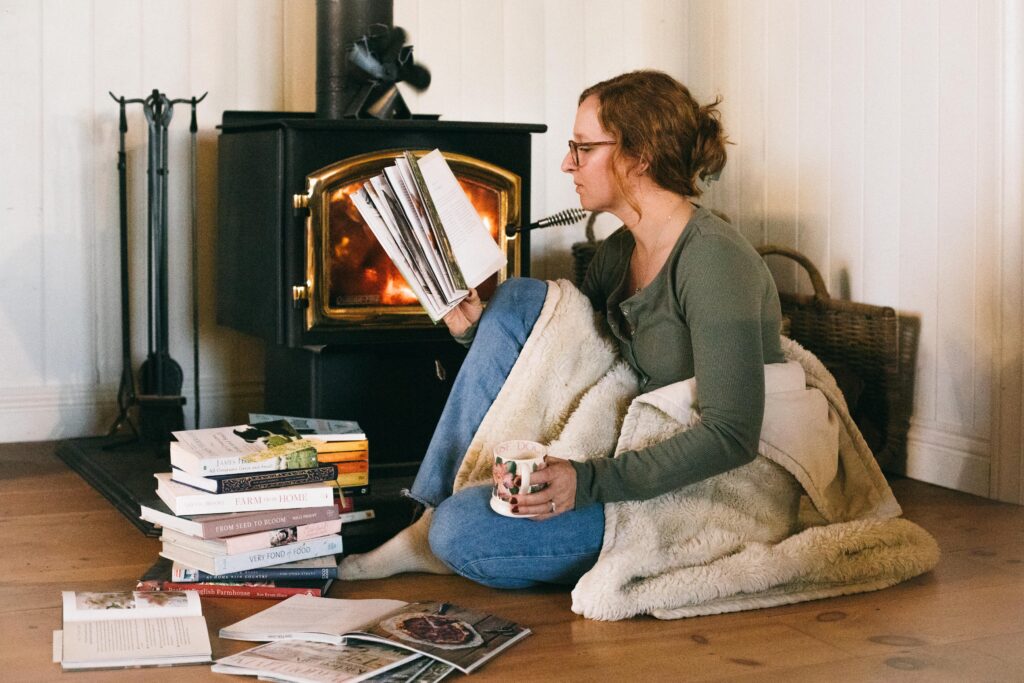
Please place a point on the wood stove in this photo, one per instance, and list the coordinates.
(296, 267)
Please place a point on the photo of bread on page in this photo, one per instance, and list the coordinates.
(429, 229)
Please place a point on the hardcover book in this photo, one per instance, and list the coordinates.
(131, 629)
(459, 637)
(257, 447)
(185, 500)
(261, 539)
(233, 523)
(322, 568)
(160, 577)
(256, 481)
(223, 564)
(427, 226)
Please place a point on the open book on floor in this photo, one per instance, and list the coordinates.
(457, 636)
(130, 629)
(428, 227)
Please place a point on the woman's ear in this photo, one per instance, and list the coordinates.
(638, 167)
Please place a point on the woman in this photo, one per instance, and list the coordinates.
(683, 294)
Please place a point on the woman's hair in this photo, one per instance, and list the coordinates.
(655, 119)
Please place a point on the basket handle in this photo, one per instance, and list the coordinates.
(820, 290)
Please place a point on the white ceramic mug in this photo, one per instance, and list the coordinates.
(515, 462)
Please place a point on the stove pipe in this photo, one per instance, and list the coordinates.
(339, 24)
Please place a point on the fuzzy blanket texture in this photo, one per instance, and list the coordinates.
(811, 517)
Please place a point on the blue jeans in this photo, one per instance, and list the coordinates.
(465, 533)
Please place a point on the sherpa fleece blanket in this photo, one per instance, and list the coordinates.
(811, 517)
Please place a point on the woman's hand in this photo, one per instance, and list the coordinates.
(465, 315)
(560, 478)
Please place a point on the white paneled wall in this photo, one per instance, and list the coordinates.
(880, 138)
(872, 137)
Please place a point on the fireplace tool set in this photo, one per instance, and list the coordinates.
(158, 398)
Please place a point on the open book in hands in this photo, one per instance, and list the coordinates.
(448, 633)
(427, 226)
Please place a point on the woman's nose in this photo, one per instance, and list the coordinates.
(567, 165)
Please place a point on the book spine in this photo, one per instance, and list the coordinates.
(264, 574)
(268, 520)
(269, 499)
(317, 547)
(260, 540)
(214, 590)
(342, 456)
(267, 480)
(277, 458)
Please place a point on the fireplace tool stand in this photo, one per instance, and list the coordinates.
(159, 400)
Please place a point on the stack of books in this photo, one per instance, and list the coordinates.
(251, 511)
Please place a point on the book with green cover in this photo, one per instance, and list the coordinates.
(256, 447)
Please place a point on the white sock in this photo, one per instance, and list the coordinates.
(408, 551)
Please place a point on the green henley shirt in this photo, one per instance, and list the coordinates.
(712, 313)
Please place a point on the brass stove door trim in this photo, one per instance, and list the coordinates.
(313, 294)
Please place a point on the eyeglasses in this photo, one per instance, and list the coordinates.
(576, 147)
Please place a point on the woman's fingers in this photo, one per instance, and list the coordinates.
(558, 496)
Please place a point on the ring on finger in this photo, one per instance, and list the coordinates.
(552, 504)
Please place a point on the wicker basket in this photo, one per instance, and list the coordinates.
(869, 349)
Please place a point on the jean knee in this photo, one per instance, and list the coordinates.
(518, 289)
(444, 535)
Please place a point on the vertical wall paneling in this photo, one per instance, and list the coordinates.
(115, 68)
(986, 224)
(67, 229)
(815, 189)
(727, 76)
(957, 211)
(525, 59)
(231, 367)
(299, 53)
(1008, 479)
(700, 54)
(670, 48)
(439, 30)
(846, 161)
(483, 66)
(261, 57)
(880, 247)
(750, 214)
(567, 29)
(919, 153)
(21, 197)
(782, 133)
(700, 69)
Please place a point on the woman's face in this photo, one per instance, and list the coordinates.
(594, 176)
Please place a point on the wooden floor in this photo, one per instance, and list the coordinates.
(962, 622)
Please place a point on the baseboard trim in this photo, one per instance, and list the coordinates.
(949, 459)
(78, 410)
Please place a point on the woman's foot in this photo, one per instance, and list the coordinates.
(408, 551)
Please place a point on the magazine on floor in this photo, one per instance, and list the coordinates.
(460, 637)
